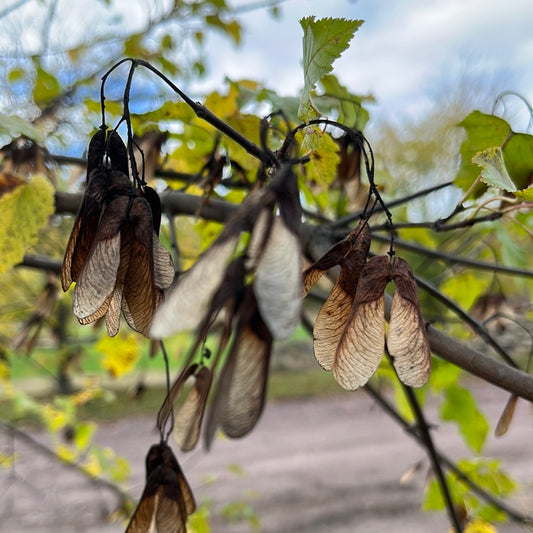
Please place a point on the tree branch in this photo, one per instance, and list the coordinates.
(448, 463)
(175, 202)
(455, 259)
(41, 448)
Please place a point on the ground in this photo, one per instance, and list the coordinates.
(312, 465)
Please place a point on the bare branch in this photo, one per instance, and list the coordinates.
(44, 450)
(455, 259)
(515, 515)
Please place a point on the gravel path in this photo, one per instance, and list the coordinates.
(313, 465)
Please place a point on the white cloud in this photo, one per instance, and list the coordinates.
(399, 54)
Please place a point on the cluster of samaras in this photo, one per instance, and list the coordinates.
(349, 331)
(113, 253)
(249, 285)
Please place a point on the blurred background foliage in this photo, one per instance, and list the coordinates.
(51, 69)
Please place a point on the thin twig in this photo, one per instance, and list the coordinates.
(426, 439)
(454, 259)
(387, 406)
(41, 448)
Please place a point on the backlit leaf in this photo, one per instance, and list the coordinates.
(324, 160)
(460, 407)
(493, 168)
(483, 131)
(120, 353)
(323, 42)
(46, 87)
(25, 210)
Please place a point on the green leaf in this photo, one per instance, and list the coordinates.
(484, 133)
(525, 194)
(46, 87)
(518, 156)
(347, 106)
(459, 406)
(465, 288)
(25, 211)
(84, 434)
(493, 168)
(323, 42)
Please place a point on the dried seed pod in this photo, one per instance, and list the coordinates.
(167, 499)
(506, 417)
(240, 394)
(330, 259)
(84, 229)
(188, 300)
(278, 279)
(336, 311)
(94, 289)
(188, 417)
(362, 342)
(360, 236)
(407, 340)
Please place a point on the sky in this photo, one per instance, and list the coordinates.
(405, 53)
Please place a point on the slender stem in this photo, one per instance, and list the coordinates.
(479, 328)
(165, 436)
(387, 406)
(21, 435)
(426, 439)
(454, 259)
(202, 112)
(344, 221)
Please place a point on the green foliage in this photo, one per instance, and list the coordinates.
(505, 157)
(242, 511)
(46, 88)
(323, 42)
(459, 406)
(25, 211)
(464, 288)
(484, 472)
(336, 100)
(493, 158)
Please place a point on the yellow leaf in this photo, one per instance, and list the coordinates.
(479, 526)
(121, 353)
(465, 288)
(54, 418)
(5, 371)
(7, 460)
(25, 210)
(84, 396)
(325, 159)
(65, 453)
(92, 466)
